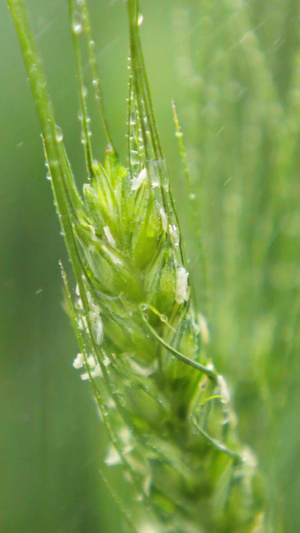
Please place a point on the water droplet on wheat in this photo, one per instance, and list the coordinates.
(104, 409)
(155, 183)
(58, 133)
(77, 26)
(121, 399)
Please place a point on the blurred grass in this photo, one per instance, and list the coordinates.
(233, 69)
(239, 72)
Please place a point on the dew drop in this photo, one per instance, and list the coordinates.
(140, 19)
(77, 26)
(121, 399)
(48, 177)
(173, 232)
(164, 318)
(143, 307)
(58, 133)
(104, 409)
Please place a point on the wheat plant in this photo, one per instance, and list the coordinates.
(143, 340)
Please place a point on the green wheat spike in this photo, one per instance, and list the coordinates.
(166, 409)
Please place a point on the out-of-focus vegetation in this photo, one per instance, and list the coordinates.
(233, 70)
(240, 83)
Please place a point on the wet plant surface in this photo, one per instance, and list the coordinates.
(141, 297)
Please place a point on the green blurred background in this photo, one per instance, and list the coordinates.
(233, 69)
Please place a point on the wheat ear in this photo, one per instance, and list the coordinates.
(143, 342)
